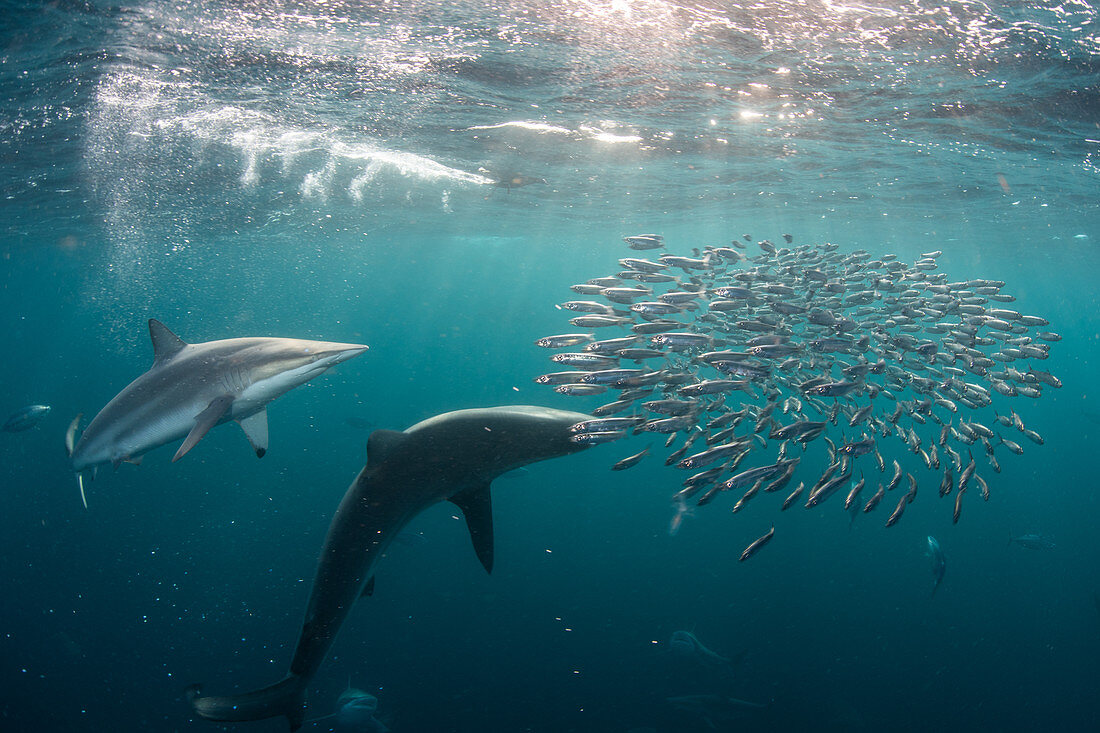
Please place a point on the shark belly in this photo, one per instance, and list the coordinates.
(364, 526)
(130, 426)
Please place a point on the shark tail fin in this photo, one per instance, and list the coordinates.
(287, 697)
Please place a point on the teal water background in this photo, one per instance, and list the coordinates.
(313, 171)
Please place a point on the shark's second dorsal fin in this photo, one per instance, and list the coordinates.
(477, 507)
(382, 442)
(165, 343)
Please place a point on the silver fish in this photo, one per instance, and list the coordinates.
(756, 544)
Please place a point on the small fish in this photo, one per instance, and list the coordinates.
(630, 461)
(982, 486)
(711, 455)
(958, 507)
(558, 378)
(611, 376)
(597, 437)
(939, 562)
(585, 360)
(875, 499)
(793, 497)
(828, 489)
(599, 321)
(746, 478)
(587, 306)
(895, 480)
(835, 389)
(610, 346)
(859, 448)
(677, 454)
(1012, 446)
(853, 495)
(580, 390)
(756, 544)
(1032, 541)
(25, 419)
(602, 424)
(612, 408)
(898, 511)
(967, 474)
(682, 510)
(948, 482)
(860, 415)
(784, 478)
(668, 424)
(747, 495)
(645, 241)
(1033, 436)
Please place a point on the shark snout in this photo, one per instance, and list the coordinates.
(324, 354)
(343, 352)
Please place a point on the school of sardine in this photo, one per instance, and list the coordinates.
(734, 352)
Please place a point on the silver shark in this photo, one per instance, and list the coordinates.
(451, 457)
(192, 387)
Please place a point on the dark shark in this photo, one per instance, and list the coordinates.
(451, 457)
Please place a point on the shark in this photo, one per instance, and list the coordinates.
(450, 457)
(686, 645)
(355, 713)
(192, 387)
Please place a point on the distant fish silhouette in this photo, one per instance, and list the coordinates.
(509, 179)
(25, 419)
(939, 562)
(686, 645)
(1032, 541)
(359, 423)
(720, 712)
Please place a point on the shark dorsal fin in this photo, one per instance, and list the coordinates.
(477, 507)
(165, 343)
(382, 442)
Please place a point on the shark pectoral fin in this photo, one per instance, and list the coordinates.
(368, 589)
(165, 343)
(255, 429)
(477, 507)
(205, 420)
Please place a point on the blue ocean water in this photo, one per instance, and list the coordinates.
(324, 170)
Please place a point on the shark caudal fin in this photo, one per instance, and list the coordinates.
(287, 697)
